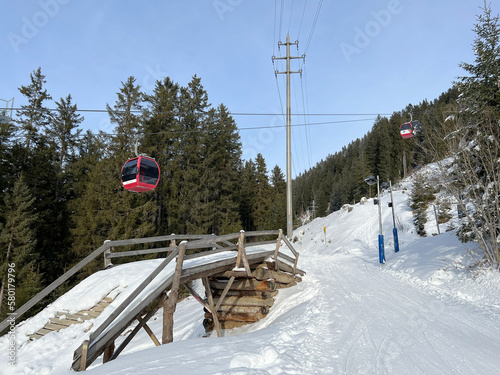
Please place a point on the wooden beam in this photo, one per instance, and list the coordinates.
(83, 360)
(149, 332)
(198, 297)
(108, 352)
(289, 244)
(212, 306)
(130, 253)
(278, 245)
(242, 256)
(168, 317)
(223, 295)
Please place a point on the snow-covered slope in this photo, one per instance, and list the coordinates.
(428, 310)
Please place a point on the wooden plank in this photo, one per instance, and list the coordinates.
(75, 317)
(65, 322)
(224, 292)
(54, 326)
(131, 253)
(139, 241)
(44, 331)
(90, 313)
(35, 336)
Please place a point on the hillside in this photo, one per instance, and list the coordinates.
(429, 310)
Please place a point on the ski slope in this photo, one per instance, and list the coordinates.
(429, 310)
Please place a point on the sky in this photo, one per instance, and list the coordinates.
(362, 58)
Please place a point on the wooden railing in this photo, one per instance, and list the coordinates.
(216, 243)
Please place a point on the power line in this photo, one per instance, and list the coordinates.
(313, 26)
(231, 113)
(199, 130)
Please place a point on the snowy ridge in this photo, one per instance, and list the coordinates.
(429, 310)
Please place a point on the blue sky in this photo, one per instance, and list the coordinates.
(363, 57)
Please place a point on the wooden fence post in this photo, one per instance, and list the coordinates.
(83, 363)
(107, 261)
(169, 306)
(278, 245)
(242, 256)
(172, 244)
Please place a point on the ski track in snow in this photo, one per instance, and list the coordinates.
(420, 313)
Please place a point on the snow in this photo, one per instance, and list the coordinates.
(430, 309)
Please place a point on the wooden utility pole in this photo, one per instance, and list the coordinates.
(288, 58)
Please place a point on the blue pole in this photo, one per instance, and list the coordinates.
(381, 254)
(394, 231)
(396, 242)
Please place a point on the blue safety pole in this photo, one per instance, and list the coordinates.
(381, 253)
(396, 243)
(394, 230)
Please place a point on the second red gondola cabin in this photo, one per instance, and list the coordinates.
(406, 130)
(140, 174)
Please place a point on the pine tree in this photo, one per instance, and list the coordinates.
(18, 241)
(64, 128)
(34, 116)
(482, 87)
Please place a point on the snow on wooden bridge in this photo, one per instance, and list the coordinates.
(238, 270)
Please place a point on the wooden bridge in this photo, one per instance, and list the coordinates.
(216, 255)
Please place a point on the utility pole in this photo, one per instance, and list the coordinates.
(288, 72)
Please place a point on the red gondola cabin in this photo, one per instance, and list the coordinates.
(140, 174)
(408, 129)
